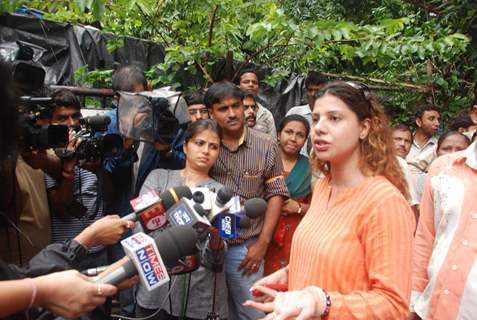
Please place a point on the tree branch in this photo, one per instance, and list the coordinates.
(211, 25)
(387, 85)
(146, 16)
(204, 71)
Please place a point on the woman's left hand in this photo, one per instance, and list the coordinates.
(290, 206)
(301, 305)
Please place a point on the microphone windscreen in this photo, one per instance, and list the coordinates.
(173, 195)
(175, 243)
(223, 196)
(97, 120)
(244, 222)
(255, 207)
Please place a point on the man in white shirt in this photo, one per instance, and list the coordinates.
(424, 144)
(313, 83)
(249, 83)
(402, 138)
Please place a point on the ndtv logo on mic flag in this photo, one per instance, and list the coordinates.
(142, 250)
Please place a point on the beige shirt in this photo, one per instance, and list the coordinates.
(34, 221)
(265, 122)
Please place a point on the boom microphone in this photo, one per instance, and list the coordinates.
(151, 260)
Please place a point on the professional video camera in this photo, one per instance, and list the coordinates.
(33, 136)
(152, 116)
(29, 77)
(92, 146)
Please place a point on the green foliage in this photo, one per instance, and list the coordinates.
(93, 78)
(389, 42)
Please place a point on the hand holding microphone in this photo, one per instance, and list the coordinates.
(148, 260)
(105, 231)
(70, 294)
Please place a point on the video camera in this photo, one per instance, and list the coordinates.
(33, 136)
(152, 116)
(94, 147)
(29, 77)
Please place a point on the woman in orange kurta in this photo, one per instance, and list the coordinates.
(351, 254)
(292, 134)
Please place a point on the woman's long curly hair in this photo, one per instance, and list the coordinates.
(377, 153)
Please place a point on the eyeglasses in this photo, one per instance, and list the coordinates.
(201, 111)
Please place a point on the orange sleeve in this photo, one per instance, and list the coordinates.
(386, 236)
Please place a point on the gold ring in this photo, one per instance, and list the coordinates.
(99, 290)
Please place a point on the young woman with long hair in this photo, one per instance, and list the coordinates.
(351, 254)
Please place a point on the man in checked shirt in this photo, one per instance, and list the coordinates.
(249, 163)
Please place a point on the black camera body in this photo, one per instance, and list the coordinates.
(93, 146)
(33, 136)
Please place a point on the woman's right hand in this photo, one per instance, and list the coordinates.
(70, 294)
(278, 277)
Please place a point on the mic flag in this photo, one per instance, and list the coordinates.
(227, 225)
(143, 257)
(187, 213)
(153, 215)
(143, 252)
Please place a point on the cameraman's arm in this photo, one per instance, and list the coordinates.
(60, 192)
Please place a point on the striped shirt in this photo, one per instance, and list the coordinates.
(85, 192)
(358, 249)
(254, 170)
(444, 282)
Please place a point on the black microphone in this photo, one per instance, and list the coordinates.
(173, 243)
(96, 121)
(223, 196)
(255, 207)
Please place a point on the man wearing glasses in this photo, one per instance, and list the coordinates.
(196, 107)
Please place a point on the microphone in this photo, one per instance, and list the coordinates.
(239, 217)
(93, 272)
(149, 257)
(96, 121)
(223, 196)
(188, 213)
(211, 201)
(254, 208)
(186, 265)
(150, 209)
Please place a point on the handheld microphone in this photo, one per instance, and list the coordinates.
(186, 265)
(149, 257)
(211, 201)
(150, 209)
(229, 222)
(188, 213)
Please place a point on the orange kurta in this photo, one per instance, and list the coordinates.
(358, 250)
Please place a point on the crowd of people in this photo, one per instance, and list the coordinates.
(364, 220)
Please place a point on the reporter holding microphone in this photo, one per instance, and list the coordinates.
(65, 293)
(351, 254)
